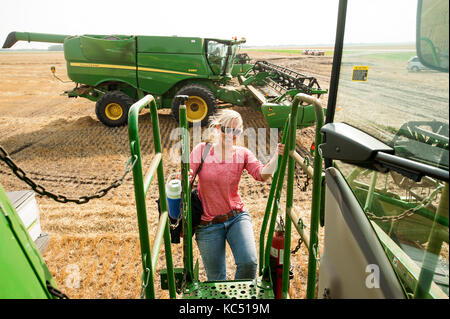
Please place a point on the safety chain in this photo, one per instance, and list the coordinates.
(305, 185)
(61, 198)
(409, 212)
(55, 292)
(144, 283)
(299, 244)
(300, 240)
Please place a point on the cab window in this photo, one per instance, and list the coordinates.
(409, 112)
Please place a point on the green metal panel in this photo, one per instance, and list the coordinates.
(234, 95)
(109, 50)
(240, 68)
(192, 64)
(91, 70)
(72, 50)
(23, 273)
(163, 44)
(276, 115)
(95, 75)
(158, 73)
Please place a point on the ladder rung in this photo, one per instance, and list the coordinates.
(295, 220)
(151, 172)
(300, 160)
(157, 240)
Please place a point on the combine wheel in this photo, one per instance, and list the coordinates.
(112, 108)
(200, 106)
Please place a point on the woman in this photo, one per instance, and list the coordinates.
(224, 217)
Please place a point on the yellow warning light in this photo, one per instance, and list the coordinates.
(53, 69)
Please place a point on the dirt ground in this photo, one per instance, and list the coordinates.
(94, 248)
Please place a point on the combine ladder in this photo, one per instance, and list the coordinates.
(185, 280)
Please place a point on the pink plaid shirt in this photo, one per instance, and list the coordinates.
(218, 181)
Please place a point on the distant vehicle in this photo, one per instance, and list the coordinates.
(314, 52)
(414, 65)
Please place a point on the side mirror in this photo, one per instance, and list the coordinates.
(432, 34)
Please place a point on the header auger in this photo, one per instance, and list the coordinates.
(284, 79)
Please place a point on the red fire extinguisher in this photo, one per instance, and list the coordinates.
(276, 259)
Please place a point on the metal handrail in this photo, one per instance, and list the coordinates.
(287, 160)
(316, 195)
(186, 198)
(149, 259)
(270, 201)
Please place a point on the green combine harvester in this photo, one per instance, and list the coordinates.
(116, 70)
(379, 183)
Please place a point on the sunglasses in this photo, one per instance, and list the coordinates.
(229, 130)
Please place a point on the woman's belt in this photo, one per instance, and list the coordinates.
(221, 218)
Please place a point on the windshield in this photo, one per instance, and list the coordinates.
(387, 93)
(217, 53)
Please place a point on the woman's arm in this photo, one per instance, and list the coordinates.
(269, 169)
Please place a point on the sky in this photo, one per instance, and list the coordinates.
(262, 23)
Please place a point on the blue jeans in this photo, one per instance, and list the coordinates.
(238, 232)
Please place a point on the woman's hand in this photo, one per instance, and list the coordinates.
(269, 168)
(280, 149)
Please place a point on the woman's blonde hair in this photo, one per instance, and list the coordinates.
(224, 117)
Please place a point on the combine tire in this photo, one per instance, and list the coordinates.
(200, 106)
(112, 108)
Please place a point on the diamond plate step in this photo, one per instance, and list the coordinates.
(234, 289)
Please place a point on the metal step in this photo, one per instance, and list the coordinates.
(26, 207)
(234, 289)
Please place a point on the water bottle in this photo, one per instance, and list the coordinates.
(173, 192)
